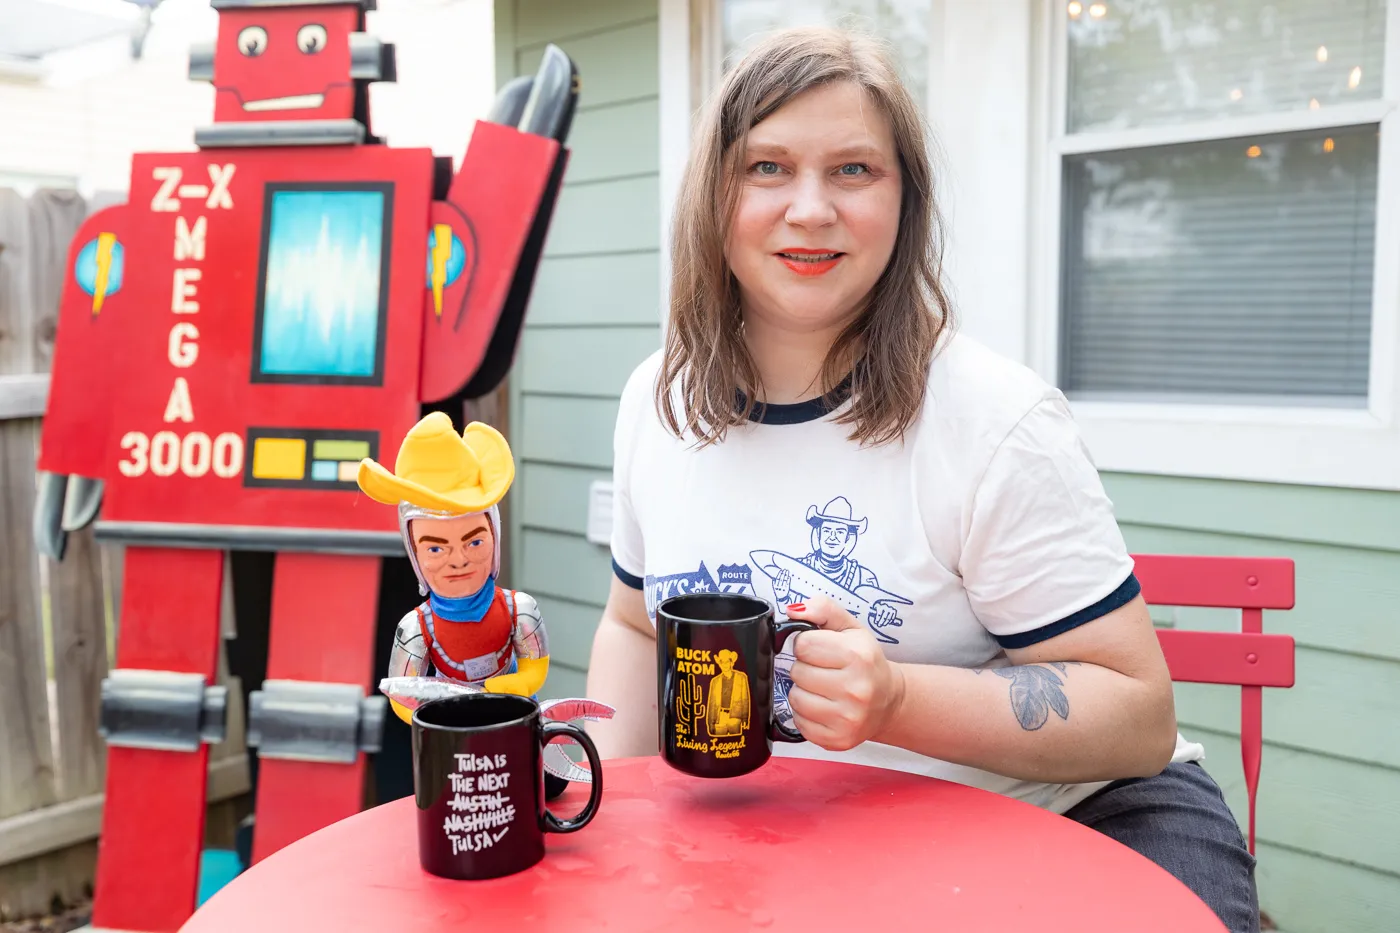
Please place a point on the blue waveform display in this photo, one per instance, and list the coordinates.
(321, 295)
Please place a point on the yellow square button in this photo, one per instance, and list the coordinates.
(279, 458)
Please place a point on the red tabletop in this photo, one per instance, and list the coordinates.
(796, 845)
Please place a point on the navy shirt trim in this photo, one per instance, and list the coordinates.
(631, 579)
(798, 412)
(1127, 591)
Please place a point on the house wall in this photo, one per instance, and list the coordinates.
(593, 314)
(1329, 797)
(1329, 804)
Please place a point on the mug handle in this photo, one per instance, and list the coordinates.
(552, 823)
(777, 731)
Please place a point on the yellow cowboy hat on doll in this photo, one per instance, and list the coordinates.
(437, 468)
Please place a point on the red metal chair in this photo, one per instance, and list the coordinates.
(1248, 658)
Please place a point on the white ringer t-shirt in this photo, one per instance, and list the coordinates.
(986, 528)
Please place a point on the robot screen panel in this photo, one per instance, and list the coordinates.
(323, 284)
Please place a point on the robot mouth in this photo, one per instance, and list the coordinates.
(295, 102)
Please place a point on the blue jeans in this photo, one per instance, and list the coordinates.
(1179, 820)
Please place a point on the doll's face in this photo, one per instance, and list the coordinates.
(455, 554)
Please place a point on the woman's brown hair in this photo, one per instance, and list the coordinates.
(908, 308)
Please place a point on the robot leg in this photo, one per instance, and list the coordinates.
(315, 717)
(160, 712)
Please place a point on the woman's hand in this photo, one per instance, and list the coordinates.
(844, 690)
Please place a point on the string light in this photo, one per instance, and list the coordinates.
(1322, 53)
(1098, 10)
(1236, 94)
(1314, 105)
(1328, 144)
(1075, 8)
(1355, 78)
(1253, 152)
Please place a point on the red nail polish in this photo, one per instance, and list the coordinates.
(799, 607)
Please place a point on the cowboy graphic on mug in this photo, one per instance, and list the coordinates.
(727, 706)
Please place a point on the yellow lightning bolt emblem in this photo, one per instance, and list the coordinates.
(105, 242)
(442, 251)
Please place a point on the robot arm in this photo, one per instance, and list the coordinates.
(74, 451)
(531, 651)
(486, 237)
(407, 659)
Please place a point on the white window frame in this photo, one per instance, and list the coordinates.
(996, 80)
(1357, 447)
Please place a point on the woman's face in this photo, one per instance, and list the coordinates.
(818, 209)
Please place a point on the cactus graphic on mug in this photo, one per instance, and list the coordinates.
(690, 705)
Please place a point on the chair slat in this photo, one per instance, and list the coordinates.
(1223, 582)
(1225, 657)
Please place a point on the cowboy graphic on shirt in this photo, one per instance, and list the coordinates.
(834, 536)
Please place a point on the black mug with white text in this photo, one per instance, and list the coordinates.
(478, 778)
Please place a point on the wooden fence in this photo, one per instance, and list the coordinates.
(58, 620)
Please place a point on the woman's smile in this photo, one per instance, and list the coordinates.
(809, 261)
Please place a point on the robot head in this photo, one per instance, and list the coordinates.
(292, 60)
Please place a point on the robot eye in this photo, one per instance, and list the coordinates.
(252, 41)
(311, 38)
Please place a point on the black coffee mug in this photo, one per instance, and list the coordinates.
(478, 778)
(714, 676)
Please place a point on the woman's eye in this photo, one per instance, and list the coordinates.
(434, 550)
(853, 169)
(766, 168)
(477, 543)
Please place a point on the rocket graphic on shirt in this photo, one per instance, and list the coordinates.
(867, 602)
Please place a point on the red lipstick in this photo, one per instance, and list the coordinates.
(810, 261)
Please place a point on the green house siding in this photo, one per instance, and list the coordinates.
(593, 314)
(1329, 798)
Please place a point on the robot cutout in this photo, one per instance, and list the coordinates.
(470, 635)
(265, 313)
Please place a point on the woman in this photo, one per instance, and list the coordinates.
(813, 403)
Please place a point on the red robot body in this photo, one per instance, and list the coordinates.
(263, 314)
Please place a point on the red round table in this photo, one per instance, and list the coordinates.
(797, 845)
